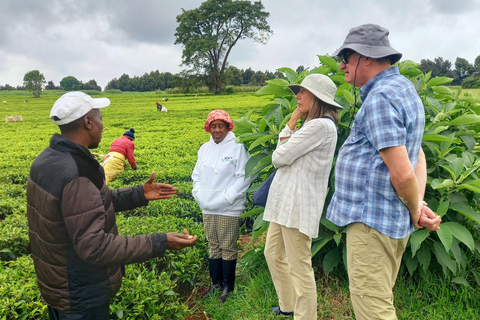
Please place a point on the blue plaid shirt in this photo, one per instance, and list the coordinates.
(392, 115)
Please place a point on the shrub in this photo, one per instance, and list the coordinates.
(229, 90)
(113, 91)
(14, 237)
(450, 144)
(472, 82)
(92, 92)
(19, 292)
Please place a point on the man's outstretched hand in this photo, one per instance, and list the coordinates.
(177, 241)
(156, 191)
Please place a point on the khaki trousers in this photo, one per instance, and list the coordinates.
(289, 260)
(373, 262)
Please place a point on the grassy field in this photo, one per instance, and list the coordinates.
(167, 143)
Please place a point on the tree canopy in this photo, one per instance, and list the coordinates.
(209, 33)
(34, 80)
(70, 83)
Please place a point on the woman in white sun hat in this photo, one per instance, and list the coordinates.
(295, 201)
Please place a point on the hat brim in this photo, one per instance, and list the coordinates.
(370, 51)
(295, 88)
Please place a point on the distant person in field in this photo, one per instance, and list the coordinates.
(121, 149)
(78, 255)
(219, 187)
(380, 172)
(160, 107)
(303, 159)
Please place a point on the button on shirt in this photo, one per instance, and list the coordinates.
(392, 115)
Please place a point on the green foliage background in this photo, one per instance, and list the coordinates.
(451, 146)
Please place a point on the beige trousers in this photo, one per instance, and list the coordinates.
(289, 260)
(373, 262)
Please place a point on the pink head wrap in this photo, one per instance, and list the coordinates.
(218, 115)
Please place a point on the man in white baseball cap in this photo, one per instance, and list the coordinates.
(73, 105)
(76, 249)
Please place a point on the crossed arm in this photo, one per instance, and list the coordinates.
(409, 183)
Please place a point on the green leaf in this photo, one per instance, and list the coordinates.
(289, 73)
(330, 261)
(273, 90)
(119, 313)
(461, 233)
(446, 236)
(439, 81)
(411, 263)
(259, 222)
(278, 82)
(470, 142)
(442, 183)
(461, 280)
(471, 185)
(442, 90)
(319, 243)
(417, 238)
(458, 165)
(329, 225)
(442, 208)
(444, 258)
(458, 254)
(252, 212)
(243, 125)
(252, 163)
(258, 232)
(337, 237)
(261, 140)
(436, 137)
(466, 211)
(329, 61)
(477, 277)
(424, 256)
(465, 119)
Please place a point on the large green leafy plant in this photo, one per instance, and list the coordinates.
(450, 144)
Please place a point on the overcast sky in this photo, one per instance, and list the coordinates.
(103, 39)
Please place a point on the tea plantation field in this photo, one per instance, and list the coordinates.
(166, 143)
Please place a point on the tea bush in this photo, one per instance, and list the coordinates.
(167, 144)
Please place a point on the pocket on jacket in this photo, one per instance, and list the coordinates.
(211, 200)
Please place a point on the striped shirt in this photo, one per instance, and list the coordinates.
(392, 115)
(304, 162)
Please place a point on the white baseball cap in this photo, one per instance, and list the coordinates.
(73, 105)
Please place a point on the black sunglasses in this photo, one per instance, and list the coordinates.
(346, 56)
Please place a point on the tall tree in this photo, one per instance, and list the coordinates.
(476, 65)
(34, 81)
(439, 67)
(463, 68)
(209, 33)
(70, 83)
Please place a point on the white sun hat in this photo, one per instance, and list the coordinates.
(321, 86)
(73, 105)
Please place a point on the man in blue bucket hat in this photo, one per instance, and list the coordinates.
(380, 173)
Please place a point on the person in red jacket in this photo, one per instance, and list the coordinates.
(121, 149)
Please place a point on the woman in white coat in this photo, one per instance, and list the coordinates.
(219, 187)
(295, 201)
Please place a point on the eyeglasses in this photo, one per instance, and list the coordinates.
(346, 56)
